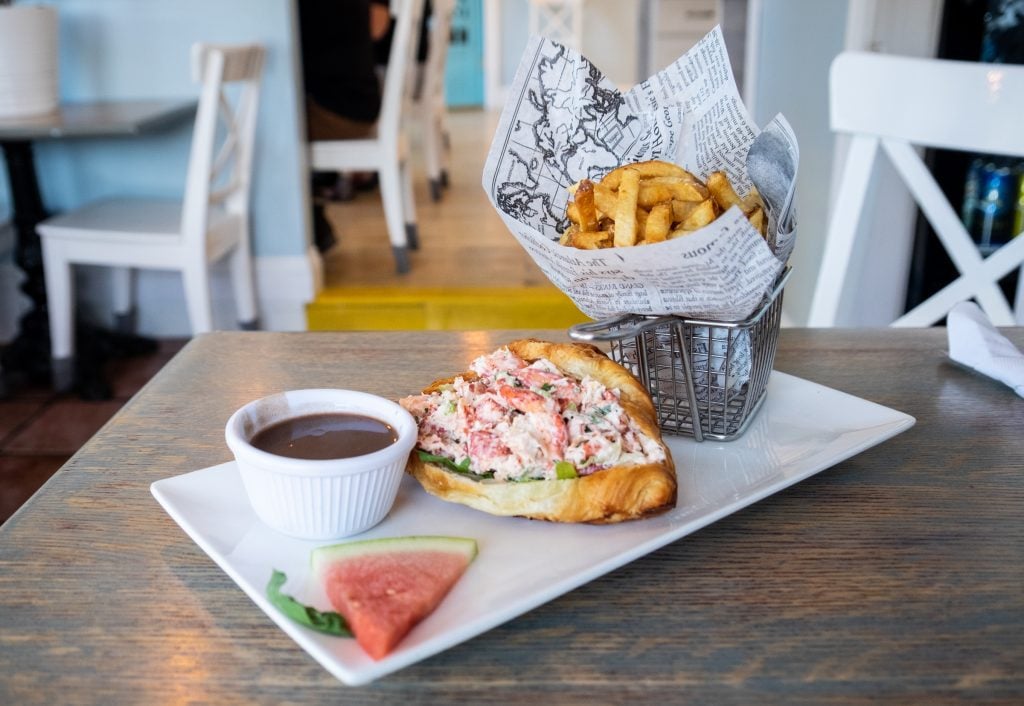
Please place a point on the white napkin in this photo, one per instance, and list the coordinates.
(974, 342)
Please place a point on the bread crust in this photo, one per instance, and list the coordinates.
(610, 495)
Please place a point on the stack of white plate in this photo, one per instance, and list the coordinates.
(28, 60)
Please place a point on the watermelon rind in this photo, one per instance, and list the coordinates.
(321, 557)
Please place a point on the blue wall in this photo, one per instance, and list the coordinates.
(139, 49)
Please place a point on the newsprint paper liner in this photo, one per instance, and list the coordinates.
(564, 121)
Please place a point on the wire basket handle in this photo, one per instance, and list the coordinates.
(618, 327)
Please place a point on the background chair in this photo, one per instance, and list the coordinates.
(893, 104)
(431, 109)
(387, 152)
(211, 222)
(558, 20)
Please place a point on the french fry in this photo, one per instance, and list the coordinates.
(652, 192)
(650, 202)
(641, 220)
(681, 210)
(657, 223)
(752, 201)
(585, 208)
(566, 237)
(757, 219)
(680, 232)
(703, 214)
(625, 208)
(591, 240)
(651, 168)
(687, 188)
(722, 192)
(572, 213)
(605, 199)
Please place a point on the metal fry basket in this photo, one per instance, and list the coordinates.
(707, 378)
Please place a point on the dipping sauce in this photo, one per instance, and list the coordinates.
(325, 436)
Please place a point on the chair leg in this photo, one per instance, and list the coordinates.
(197, 297)
(391, 195)
(412, 235)
(432, 153)
(124, 299)
(446, 152)
(842, 233)
(60, 297)
(240, 263)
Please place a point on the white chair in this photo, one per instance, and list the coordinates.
(211, 222)
(430, 108)
(893, 104)
(387, 152)
(558, 20)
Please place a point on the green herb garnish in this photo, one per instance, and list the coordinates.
(327, 622)
(462, 467)
(446, 462)
(565, 470)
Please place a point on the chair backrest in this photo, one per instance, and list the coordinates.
(558, 20)
(401, 61)
(220, 162)
(442, 12)
(894, 104)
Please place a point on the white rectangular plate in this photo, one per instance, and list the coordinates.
(801, 429)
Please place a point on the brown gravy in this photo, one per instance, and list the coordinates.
(325, 436)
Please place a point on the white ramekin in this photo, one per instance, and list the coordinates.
(320, 499)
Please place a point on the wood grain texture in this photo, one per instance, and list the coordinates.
(894, 577)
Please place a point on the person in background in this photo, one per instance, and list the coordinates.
(342, 90)
(382, 46)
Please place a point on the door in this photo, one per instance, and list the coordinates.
(464, 77)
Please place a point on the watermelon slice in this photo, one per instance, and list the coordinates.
(384, 587)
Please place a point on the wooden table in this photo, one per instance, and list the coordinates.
(896, 576)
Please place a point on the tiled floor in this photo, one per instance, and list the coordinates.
(40, 430)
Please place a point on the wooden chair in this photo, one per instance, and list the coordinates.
(387, 152)
(893, 104)
(430, 108)
(211, 222)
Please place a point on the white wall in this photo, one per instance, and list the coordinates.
(795, 44)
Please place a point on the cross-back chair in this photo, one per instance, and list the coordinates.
(210, 222)
(892, 104)
(387, 151)
(431, 108)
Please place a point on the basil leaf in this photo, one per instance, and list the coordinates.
(565, 470)
(327, 622)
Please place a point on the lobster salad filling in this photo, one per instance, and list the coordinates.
(520, 421)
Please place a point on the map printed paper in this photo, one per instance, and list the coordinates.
(564, 121)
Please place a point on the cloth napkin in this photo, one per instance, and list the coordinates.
(974, 342)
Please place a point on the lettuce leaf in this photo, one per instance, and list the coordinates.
(462, 468)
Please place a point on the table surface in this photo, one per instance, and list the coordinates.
(99, 118)
(896, 576)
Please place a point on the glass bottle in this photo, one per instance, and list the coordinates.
(994, 191)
